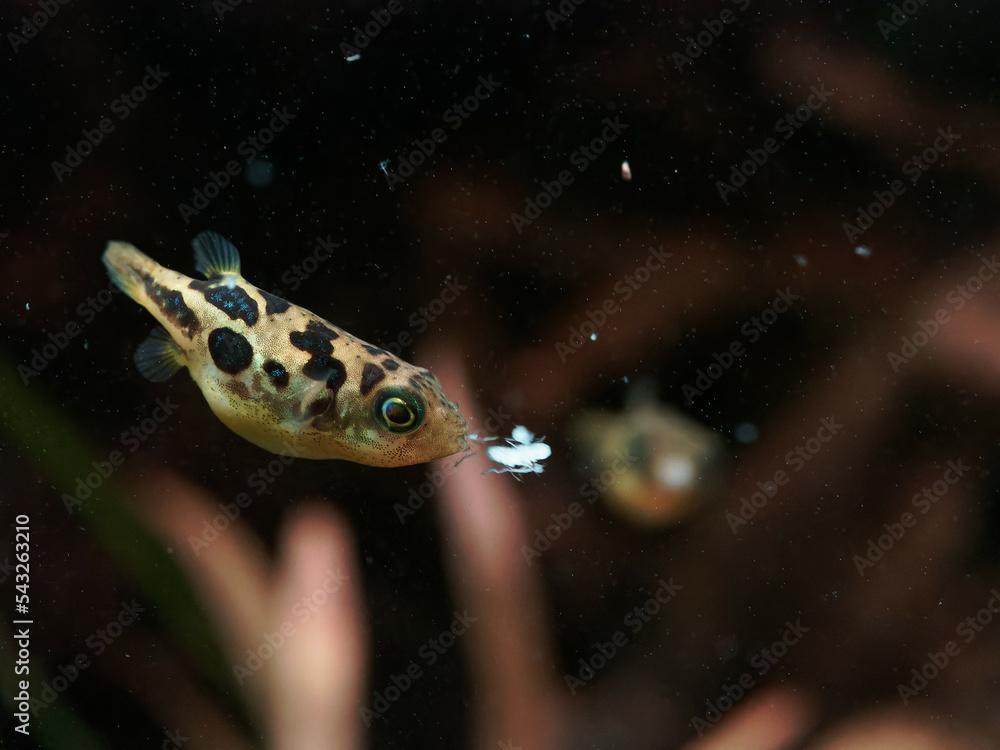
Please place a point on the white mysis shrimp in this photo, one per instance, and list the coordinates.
(521, 455)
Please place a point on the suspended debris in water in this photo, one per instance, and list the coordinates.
(593, 337)
(802, 260)
(353, 57)
(521, 455)
(626, 171)
(863, 251)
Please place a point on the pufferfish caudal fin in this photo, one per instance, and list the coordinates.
(128, 267)
(158, 357)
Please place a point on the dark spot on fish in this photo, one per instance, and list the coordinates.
(230, 351)
(277, 372)
(310, 342)
(337, 377)
(318, 367)
(370, 375)
(319, 406)
(235, 303)
(390, 364)
(376, 350)
(321, 329)
(416, 382)
(273, 304)
(171, 303)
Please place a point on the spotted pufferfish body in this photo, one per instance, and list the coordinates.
(279, 375)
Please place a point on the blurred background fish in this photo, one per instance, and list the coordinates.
(654, 465)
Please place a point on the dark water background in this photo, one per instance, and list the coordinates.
(554, 82)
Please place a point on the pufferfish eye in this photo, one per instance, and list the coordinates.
(398, 410)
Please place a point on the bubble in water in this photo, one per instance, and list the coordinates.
(259, 173)
(746, 433)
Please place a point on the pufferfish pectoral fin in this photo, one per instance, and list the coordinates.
(158, 357)
(214, 255)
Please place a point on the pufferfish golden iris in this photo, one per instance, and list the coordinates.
(279, 375)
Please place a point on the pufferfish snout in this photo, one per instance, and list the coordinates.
(279, 375)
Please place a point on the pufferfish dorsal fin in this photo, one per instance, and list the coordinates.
(158, 357)
(214, 255)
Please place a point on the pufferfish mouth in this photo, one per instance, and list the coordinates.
(462, 432)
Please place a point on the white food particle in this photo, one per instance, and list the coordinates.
(521, 455)
(863, 251)
(626, 171)
(353, 57)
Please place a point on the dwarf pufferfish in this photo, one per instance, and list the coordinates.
(279, 375)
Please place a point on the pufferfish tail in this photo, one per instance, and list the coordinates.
(138, 275)
(128, 267)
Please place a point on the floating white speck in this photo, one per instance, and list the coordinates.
(593, 337)
(863, 251)
(353, 57)
(521, 455)
(27, 305)
(626, 171)
(802, 260)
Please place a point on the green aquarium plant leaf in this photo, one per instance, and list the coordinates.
(52, 442)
